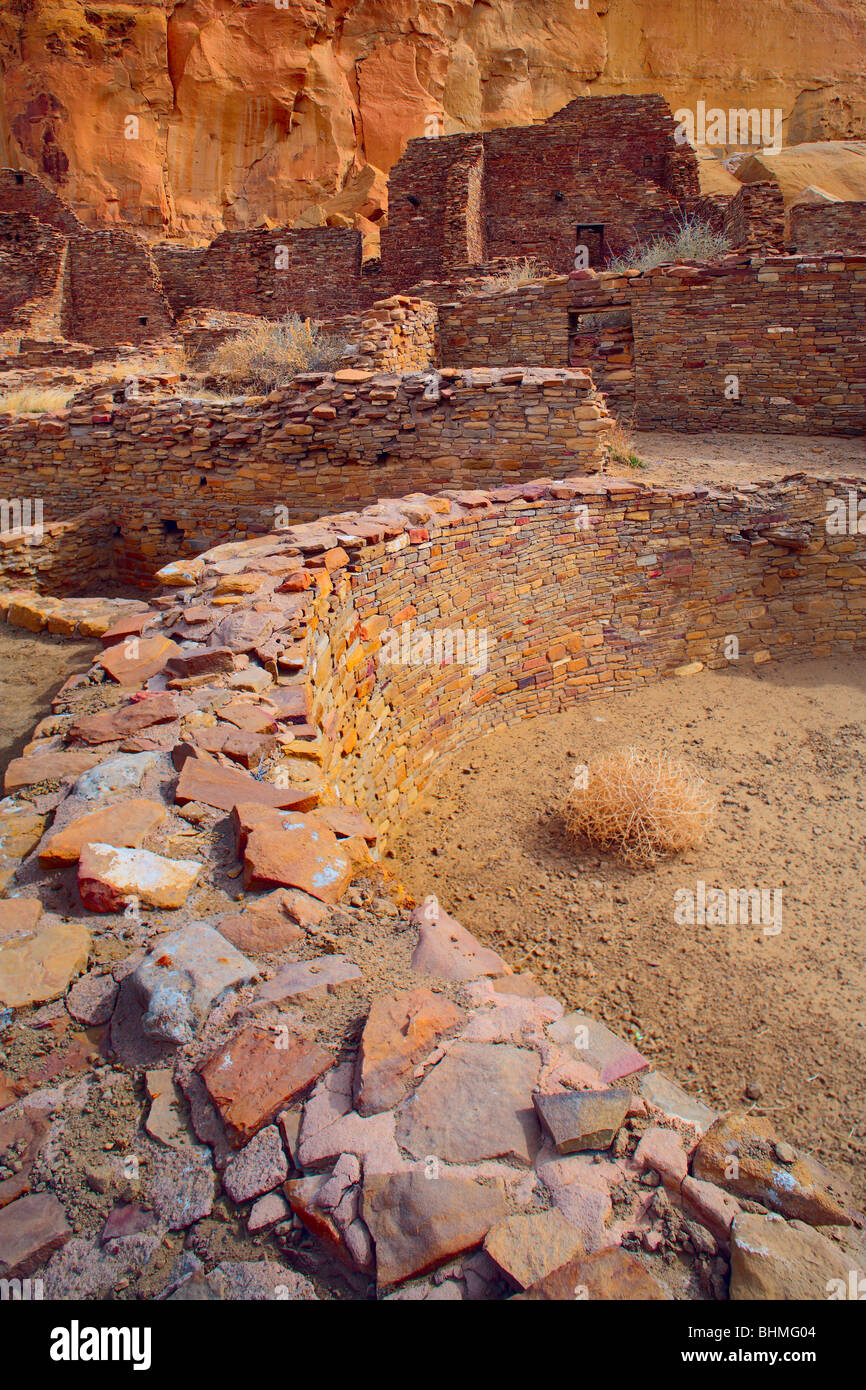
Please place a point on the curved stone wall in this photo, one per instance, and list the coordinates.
(418, 624)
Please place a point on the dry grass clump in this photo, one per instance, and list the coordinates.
(694, 240)
(267, 355)
(641, 803)
(620, 446)
(521, 270)
(32, 400)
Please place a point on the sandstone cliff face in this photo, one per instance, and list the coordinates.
(187, 118)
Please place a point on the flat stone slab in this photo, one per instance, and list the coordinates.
(46, 767)
(605, 1275)
(739, 1154)
(301, 855)
(775, 1259)
(184, 977)
(447, 950)
(123, 773)
(399, 1033)
(476, 1103)
(39, 966)
(598, 1047)
(260, 1166)
(258, 1073)
(126, 824)
(134, 661)
(114, 725)
(667, 1096)
(311, 979)
(165, 1120)
(18, 917)
(110, 877)
(225, 787)
(31, 1229)
(417, 1223)
(579, 1120)
(530, 1245)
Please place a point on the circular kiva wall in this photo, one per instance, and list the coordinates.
(542, 595)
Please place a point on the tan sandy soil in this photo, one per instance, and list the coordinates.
(32, 669)
(724, 457)
(721, 1007)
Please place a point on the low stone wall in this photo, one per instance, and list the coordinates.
(578, 589)
(771, 344)
(180, 475)
(816, 228)
(60, 557)
(231, 722)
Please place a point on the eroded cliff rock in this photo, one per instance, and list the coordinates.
(187, 118)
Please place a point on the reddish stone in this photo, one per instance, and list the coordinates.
(127, 824)
(46, 767)
(119, 723)
(31, 1229)
(209, 661)
(135, 660)
(258, 1073)
(399, 1033)
(225, 787)
(418, 1223)
(302, 856)
(18, 917)
(611, 1274)
(127, 627)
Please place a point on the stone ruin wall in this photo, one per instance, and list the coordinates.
(465, 199)
(583, 585)
(315, 272)
(574, 605)
(791, 328)
(32, 277)
(819, 228)
(180, 475)
(111, 292)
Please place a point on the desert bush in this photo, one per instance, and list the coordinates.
(694, 240)
(521, 270)
(33, 400)
(641, 803)
(619, 445)
(267, 355)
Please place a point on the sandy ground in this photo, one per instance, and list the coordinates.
(722, 1007)
(722, 457)
(32, 669)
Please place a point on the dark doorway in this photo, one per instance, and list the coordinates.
(591, 235)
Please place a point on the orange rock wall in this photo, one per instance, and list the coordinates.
(248, 111)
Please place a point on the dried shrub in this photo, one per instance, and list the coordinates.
(694, 240)
(620, 448)
(521, 270)
(31, 400)
(641, 803)
(267, 355)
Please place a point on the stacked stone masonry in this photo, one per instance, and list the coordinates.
(818, 228)
(179, 475)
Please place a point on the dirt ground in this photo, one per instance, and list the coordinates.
(722, 1008)
(32, 669)
(722, 457)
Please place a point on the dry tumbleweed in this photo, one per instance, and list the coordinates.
(640, 802)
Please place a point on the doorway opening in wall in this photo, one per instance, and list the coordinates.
(591, 235)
